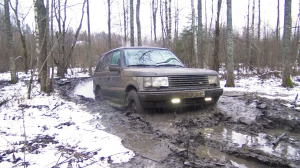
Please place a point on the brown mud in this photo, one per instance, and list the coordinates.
(239, 131)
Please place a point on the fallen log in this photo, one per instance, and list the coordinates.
(276, 141)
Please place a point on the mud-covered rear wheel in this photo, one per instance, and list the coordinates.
(133, 102)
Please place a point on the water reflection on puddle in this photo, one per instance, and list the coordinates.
(257, 142)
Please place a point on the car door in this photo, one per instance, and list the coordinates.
(116, 90)
(102, 74)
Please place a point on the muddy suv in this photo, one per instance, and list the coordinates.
(147, 77)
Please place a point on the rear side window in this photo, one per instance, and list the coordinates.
(116, 58)
(104, 62)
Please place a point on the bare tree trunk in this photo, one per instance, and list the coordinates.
(286, 69)
(162, 22)
(125, 21)
(22, 37)
(170, 23)
(109, 25)
(258, 36)
(10, 45)
(205, 18)
(212, 16)
(138, 23)
(200, 36)
(229, 48)
(176, 21)
(41, 36)
(89, 33)
(248, 44)
(277, 27)
(252, 62)
(194, 41)
(167, 22)
(154, 11)
(131, 23)
(216, 62)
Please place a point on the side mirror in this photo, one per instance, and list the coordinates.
(114, 68)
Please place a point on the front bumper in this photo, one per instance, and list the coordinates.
(161, 99)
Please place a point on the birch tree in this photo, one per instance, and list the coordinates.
(138, 23)
(229, 48)
(286, 69)
(10, 44)
(131, 23)
(41, 41)
(216, 61)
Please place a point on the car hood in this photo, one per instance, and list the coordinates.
(166, 71)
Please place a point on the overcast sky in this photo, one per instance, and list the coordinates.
(98, 14)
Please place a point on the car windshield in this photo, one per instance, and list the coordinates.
(151, 57)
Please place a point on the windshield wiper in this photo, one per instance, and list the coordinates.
(171, 65)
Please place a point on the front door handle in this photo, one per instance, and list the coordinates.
(108, 77)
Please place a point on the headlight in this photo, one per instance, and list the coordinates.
(156, 81)
(213, 80)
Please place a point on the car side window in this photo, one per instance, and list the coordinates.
(116, 58)
(104, 63)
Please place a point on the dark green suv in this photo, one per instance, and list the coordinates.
(148, 77)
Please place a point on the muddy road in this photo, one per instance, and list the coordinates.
(241, 130)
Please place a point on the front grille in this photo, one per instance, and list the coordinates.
(188, 81)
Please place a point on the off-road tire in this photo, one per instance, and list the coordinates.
(133, 102)
(98, 95)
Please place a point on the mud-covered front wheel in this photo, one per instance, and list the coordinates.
(133, 102)
(98, 94)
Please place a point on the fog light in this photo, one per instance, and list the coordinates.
(175, 101)
(208, 99)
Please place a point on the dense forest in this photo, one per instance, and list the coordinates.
(205, 43)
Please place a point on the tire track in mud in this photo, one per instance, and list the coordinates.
(237, 132)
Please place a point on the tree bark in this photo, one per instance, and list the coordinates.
(216, 63)
(194, 40)
(138, 23)
(89, 34)
(277, 27)
(125, 21)
(200, 36)
(22, 37)
(10, 45)
(252, 62)
(248, 44)
(154, 11)
(41, 41)
(131, 23)
(286, 69)
(229, 48)
(167, 22)
(109, 25)
(162, 22)
(170, 23)
(258, 36)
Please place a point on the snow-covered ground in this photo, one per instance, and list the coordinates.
(48, 117)
(66, 127)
